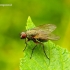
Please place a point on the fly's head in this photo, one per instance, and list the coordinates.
(23, 35)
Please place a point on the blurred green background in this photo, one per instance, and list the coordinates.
(13, 21)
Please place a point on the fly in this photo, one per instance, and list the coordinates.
(40, 34)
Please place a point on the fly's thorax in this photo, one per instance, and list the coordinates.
(31, 33)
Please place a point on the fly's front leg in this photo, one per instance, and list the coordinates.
(26, 44)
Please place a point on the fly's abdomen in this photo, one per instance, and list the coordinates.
(42, 40)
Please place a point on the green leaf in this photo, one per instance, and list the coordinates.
(30, 24)
(59, 57)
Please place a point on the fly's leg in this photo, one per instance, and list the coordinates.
(26, 44)
(37, 42)
(43, 48)
(32, 51)
(44, 51)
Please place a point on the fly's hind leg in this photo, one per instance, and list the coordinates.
(43, 48)
(44, 51)
(37, 42)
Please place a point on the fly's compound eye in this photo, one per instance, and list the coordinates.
(23, 35)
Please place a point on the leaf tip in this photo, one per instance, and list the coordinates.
(29, 23)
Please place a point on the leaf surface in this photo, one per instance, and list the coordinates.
(59, 57)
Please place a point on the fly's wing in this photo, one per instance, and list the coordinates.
(46, 28)
(52, 37)
(44, 32)
(46, 37)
